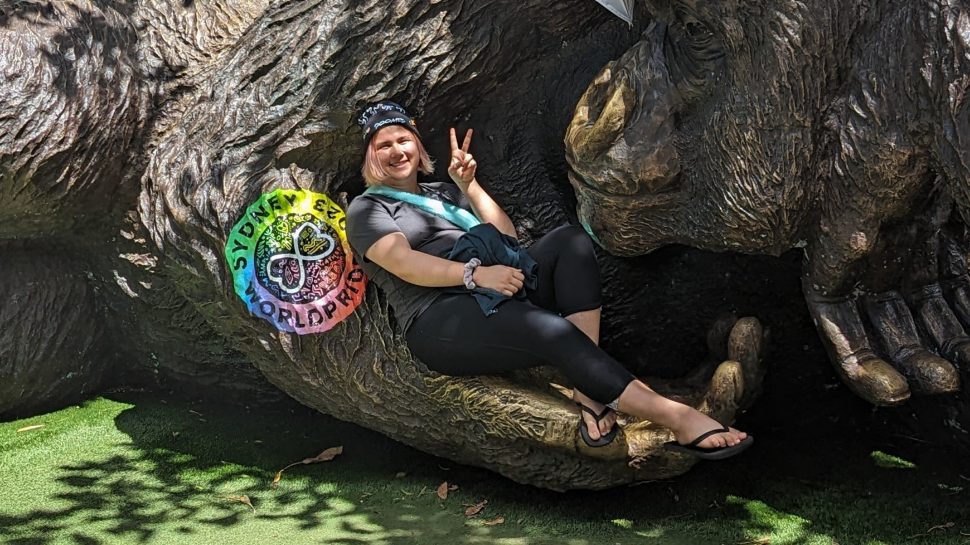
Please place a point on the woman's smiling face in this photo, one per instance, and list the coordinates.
(397, 152)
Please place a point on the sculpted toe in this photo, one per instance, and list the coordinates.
(873, 379)
(958, 353)
(929, 374)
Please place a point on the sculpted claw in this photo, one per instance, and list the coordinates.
(940, 323)
(957, 292)
(893, 324)
(847, 344)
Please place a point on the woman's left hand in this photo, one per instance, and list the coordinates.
(462, 166)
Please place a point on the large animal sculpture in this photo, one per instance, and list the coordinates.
(133, 136)
(842, 128)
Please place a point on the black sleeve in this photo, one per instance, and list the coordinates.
(367, 222)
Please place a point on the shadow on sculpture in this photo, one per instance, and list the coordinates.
(206, 105)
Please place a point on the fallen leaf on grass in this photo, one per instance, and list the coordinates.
(495, 521)
(443, 491)
(324, 456)
(32, 427)
(944, 527)
(475, 509)
(242, 499)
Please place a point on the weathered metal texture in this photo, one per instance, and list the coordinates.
(226, 102)
(72, 108)
(229, 98)
(51, 349)
(83, 82)
(759, 127)
(289, 92)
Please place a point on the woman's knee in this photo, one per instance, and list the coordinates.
(582, 242)
(562, 336)
(575, 240)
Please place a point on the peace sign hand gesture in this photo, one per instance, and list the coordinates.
(462, 166)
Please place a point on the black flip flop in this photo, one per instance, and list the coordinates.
(584, 433)
(719, 453)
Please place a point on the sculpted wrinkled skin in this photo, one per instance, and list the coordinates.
(183, 114)
(839, 127)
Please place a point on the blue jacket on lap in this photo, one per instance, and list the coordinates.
(492, 247)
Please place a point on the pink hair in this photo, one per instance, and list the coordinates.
(374, 173)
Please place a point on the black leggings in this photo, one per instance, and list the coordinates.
(454, 337)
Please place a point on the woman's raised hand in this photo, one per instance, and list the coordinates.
(505, 280)
(462, 166)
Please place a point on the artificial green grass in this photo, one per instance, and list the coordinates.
(143, 469)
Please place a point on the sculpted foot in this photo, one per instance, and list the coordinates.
(845, 340)
(736, 382)
(745, 345)
(893, 325)
(732, 379)
(957, 292)
(940, 323)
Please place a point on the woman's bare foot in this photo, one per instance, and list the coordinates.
(595, 430)
(693, 423)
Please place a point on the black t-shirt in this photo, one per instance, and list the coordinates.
(372, 217)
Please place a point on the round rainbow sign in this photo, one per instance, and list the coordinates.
(291, 263)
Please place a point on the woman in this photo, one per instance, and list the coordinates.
(404, 249)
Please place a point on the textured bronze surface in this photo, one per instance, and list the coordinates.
(842, 128)
(134, 134)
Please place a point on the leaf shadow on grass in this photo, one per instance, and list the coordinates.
(176, 469)
(173, 468)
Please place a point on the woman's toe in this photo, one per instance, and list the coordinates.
(592, 428)
(720, 440)
(607, 424)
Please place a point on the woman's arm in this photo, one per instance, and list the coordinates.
(462, 171)
(394, 254)
(487, 209)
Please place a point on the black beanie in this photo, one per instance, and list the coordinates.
(384, 113)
